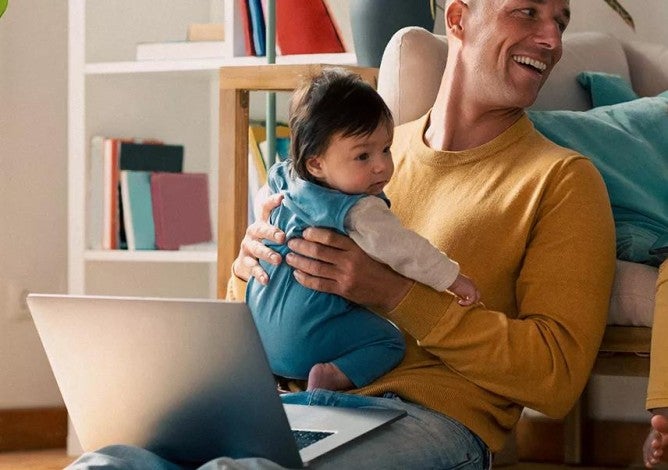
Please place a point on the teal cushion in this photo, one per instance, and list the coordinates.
(628, 143)
(606, 89)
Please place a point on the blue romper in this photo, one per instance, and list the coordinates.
(301, 327)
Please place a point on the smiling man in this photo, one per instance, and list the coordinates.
(529, 220)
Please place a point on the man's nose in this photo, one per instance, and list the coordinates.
(549, 35)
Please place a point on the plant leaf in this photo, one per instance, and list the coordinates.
(615, 5)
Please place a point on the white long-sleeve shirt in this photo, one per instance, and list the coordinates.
(376, 230)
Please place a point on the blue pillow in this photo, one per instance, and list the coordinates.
(606, 89)
(628, 143)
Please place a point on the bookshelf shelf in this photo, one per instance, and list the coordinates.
(159, 66)
(175, 100)
(152, 256)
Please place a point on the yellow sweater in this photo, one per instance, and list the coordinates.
(531, 223)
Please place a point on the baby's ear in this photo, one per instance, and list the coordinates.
(314, 166)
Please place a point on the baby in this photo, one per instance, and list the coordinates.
(341, 132)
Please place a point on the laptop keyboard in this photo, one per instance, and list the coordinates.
(306, 438)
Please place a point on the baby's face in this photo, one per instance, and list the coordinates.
(356, 164)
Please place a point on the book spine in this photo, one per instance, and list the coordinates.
(158, 216)
(127, 213)
(259, 28)
(115, 196)
(247, 27)
(110, 240)
(95, 195)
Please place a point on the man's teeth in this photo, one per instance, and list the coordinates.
(537, 64)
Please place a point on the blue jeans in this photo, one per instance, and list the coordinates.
(423, 439)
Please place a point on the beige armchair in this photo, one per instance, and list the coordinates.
(408, 80)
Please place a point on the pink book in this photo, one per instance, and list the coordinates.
(180, 209)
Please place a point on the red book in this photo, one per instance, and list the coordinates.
(305, 27)
(180, 209)
(111, 218)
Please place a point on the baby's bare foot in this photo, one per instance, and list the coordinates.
(328, 377)
(656, 442)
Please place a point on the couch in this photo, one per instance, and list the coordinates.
(408, 80)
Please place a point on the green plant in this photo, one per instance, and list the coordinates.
(614, 4)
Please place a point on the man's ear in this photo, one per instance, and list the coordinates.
(314, 166)
(453, 18)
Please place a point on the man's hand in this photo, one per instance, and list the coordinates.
(330, 262)
(252, 249)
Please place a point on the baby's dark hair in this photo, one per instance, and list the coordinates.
(335, 101)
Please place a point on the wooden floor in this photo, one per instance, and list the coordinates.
(36, 460)
(57, 459)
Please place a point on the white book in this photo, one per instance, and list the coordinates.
(95, 194)
(179, 50)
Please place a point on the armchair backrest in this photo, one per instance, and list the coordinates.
(414, 60)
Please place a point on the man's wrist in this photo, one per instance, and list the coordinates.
(397, 290)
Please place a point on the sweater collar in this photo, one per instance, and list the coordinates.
(520, 129)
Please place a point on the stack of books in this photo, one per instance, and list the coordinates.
(302, 27)
(139, 198)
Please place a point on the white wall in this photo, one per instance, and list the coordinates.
(595, 15)
(620, 398)
(33, 218)
(33, 166)
(650, 18)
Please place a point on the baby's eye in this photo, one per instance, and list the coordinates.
(386, 149)
(362, 157)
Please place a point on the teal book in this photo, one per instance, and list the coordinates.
(138, 209)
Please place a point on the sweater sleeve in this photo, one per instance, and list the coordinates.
(236, 288)
(542, 358)
(371, 224)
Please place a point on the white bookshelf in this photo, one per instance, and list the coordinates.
(153, 256)
(208, 65)
(112, 94)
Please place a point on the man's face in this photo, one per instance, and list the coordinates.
(511, 46)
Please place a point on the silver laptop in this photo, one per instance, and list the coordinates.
(186, 379)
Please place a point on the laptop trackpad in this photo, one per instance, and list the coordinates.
(338, 425)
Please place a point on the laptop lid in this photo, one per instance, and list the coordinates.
(187, 379)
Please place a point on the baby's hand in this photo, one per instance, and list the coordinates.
(465, 289)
